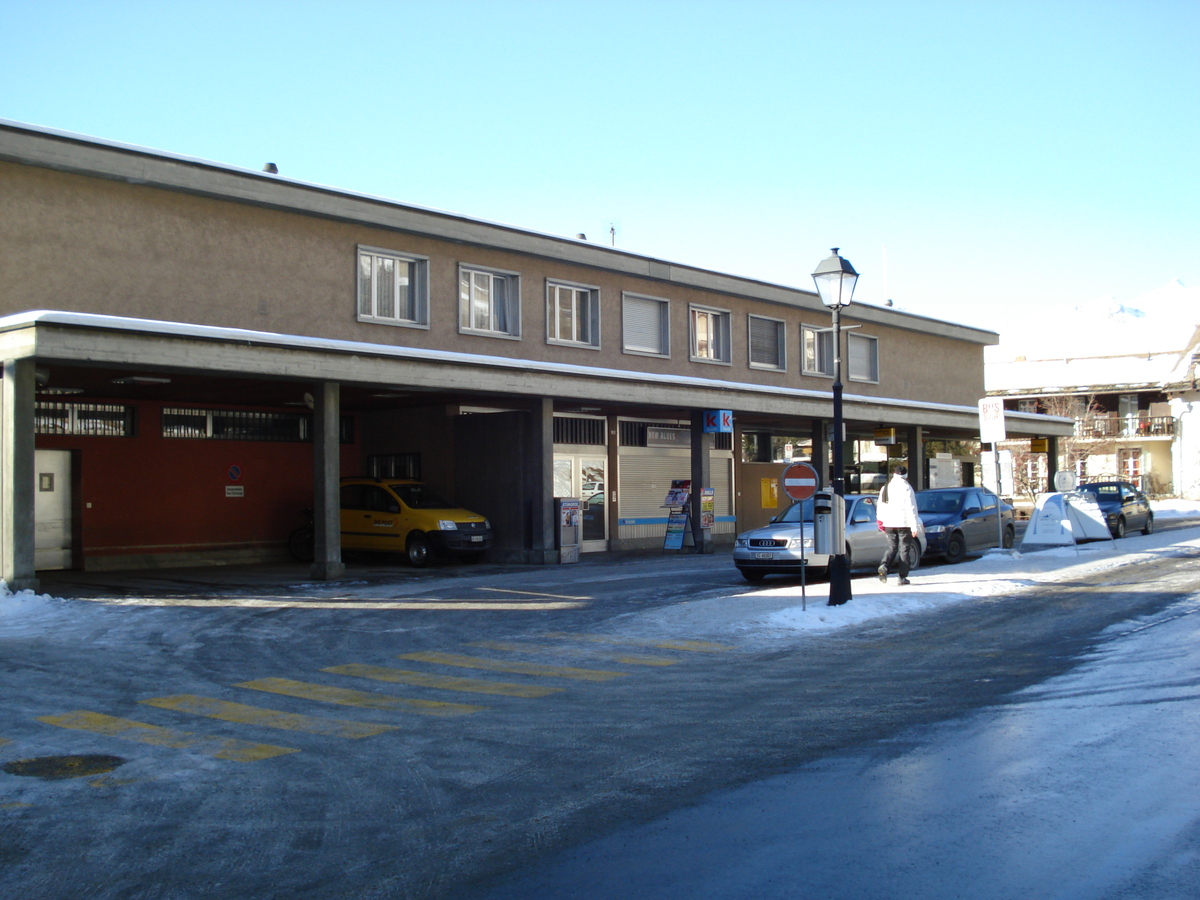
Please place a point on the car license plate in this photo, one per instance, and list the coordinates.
(764, 555)
(477, 537)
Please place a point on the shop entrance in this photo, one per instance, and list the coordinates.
(585, 477)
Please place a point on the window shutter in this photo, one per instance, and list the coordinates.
(644, 325)
(764, 342)
(863, 366)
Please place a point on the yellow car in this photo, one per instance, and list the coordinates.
(397, 515)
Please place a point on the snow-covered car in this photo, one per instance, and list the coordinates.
(785, 545)
(1124, 506)
(959, 521)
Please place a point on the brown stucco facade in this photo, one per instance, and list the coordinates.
(88, 244)
(261, 274)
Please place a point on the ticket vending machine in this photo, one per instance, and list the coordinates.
(829, 523)
(568, 518)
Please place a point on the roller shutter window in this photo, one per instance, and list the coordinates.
(645, 325)
(644, 481)
(864, 357)
(766, 343)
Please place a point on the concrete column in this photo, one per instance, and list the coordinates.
(612, 503)
(915, 438)
(327, 562)
(539, 482)
(820, 457)
(701, 478)
(1051, 462)
(17, 525)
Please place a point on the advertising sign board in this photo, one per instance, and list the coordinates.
(677, 527)
(987, 472)
(718, 421)
(708, 507)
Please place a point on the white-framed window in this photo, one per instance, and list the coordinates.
(645, 328)
(862, 352)
(572, 314)
(817, 350)
(489, 302)
(710, 335)
(393, 288)
(768, 348)
(1129, 465)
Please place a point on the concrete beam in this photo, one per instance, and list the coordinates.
(101, 340)
(384, 365)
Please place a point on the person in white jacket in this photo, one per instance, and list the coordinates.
(899, 519)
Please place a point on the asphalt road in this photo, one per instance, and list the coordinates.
(485, 720)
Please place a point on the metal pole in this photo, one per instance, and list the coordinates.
(839, 569)
(999, 500)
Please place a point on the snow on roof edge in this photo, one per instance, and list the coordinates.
(334, 345)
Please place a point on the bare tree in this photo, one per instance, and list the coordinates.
(1093, 437)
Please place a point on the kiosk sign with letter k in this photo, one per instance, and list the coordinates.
(718, 421)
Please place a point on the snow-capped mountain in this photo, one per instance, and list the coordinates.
(1160, 320)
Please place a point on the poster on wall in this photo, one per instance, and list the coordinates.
(681, 490)
(987, 472)
(708, 507)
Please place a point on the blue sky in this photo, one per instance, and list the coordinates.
(977, 162)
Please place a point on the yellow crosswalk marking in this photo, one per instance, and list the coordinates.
(266, 718)
(127, 729)
(623, 658)
(324, 693)
(517, 668)
(536, 594)
(689, 646)
(343, 604)
(442, 682)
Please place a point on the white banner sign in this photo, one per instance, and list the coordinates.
(987, 472)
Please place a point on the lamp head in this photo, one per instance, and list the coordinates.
(835, 279)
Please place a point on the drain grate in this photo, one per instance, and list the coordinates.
(56, 767)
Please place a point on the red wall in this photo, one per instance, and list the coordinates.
(155, 495)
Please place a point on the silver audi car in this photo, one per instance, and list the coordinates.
(785, 544)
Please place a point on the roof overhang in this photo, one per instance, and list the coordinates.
(158, 346)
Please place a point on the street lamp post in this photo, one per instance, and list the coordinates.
(835, 279)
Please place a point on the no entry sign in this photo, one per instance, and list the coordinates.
(800, 481)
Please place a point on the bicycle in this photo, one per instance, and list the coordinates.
(301, 542)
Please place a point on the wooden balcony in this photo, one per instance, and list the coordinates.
(1125, 427)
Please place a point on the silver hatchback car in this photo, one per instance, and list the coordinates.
(785, 545)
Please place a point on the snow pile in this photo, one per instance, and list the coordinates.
(783, 608)
(1175, 509)
(26, 611)
(999, 576)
